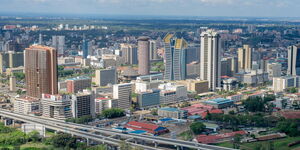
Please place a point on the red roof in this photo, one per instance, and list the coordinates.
(143, 126)
(213, 111)
(215, 138)
(290, 114)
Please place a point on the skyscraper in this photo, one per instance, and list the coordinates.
(153, 50)
(175, 57)
(245, 58)
(143, 55)
(210, 52)
(40, 39)
(129, 53)
(85, 48)
(294, 60)
(40, 70)
(58, 42)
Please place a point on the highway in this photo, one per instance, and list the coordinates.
(106, 135)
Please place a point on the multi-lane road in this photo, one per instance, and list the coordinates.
(109, 136)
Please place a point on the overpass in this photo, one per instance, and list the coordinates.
(109, 136)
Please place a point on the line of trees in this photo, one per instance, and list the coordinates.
(113, 113)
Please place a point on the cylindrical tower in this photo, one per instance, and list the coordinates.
(143, 55)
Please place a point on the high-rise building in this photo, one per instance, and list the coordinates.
(83, 104)
(210, 52)
(40, 70)
(58, 42)
(143, 55)
(12, 83)
(85, 48)
(175, 57)
(122, 92)
(294, 60)
(40, 39)
(153, 50)
(106, 76)
(274, 70)
(11, 60)
(245, 58)
(129, 54)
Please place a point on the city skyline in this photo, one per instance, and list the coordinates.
(239, 8)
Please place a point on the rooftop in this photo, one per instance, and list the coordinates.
(40, 47)
(80, 78)
(218, 101)
(170, 109)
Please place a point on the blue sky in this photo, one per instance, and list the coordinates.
(256, 8)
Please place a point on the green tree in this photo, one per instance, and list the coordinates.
(19, 76)
(237, 141)
(154, 112)
(254, 104)
(82, 120)
(113, 113)
(34, 136)
(125, 146)
(292, 90)
(63, 140)
(197, 127)
(289, 127)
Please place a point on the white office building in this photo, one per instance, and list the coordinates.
(280, 84)
(122, 92)
(210, 52)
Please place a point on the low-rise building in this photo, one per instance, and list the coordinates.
(149, 98)
(235, 98)
(209, 139)
(219, 103)
(230, 84)
(172, 93)
(255, 77)
(196, 86)
(172, 113)
(150, 128)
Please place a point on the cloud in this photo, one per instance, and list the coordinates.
(157, 7)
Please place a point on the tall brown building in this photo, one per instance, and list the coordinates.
(245, 58)
(40, 70)
(143, 55)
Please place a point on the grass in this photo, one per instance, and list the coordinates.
(38, 145)
(6, 146)
(280, 144)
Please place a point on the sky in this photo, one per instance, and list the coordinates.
(232, 8)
